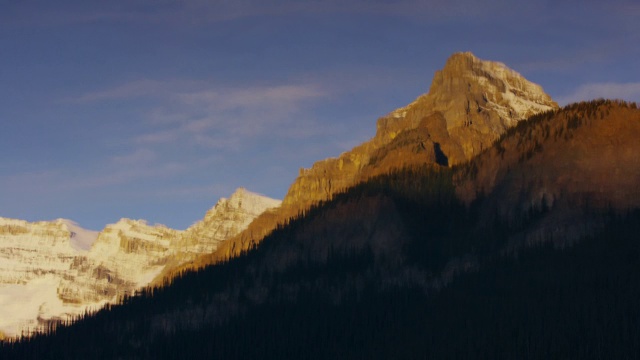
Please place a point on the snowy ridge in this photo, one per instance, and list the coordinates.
(29, 249)
(505, 91)
(52, 269)
(81, 239)
(226, 219)
(520, 97)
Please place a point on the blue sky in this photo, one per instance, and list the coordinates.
(155, 109)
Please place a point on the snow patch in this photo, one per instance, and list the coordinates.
(21, 305)
(81, 239)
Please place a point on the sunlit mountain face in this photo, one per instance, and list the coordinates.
(53, 270)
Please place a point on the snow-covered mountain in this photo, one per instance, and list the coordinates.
(34, 258)
(51, 269)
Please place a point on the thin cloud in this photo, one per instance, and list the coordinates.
(623, 91)
(157, 137)
(139, 156)
(252, 96)
(225, 117)
(133, 90)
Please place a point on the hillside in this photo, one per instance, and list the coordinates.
(559, 162)
(427, 261)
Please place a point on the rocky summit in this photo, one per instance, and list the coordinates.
(471, 102)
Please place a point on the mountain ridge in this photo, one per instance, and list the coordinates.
(71, 268)
(438, 128)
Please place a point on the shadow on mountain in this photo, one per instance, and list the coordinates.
(441, 158)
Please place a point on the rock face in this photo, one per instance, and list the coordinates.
(124, 258)
(52, 269)
(28, 250)
(470, 103)
(34, 258)
(226, 219)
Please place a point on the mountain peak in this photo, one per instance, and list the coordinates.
(250, 201)
(461, 60)
(474, 86)
(470, 103)
(227, 218)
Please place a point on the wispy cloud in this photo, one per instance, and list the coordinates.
(623, 91)
(226, 116)
(135, 89)
(138, 157)
(255, 96)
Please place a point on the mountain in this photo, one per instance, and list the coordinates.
(421, 262)
(480, 222)
(34, 257)
(53, 269)
(559, 163)
(226, 219)
(470, 104)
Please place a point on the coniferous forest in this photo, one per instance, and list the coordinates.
(396, 267)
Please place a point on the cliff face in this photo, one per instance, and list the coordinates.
(125, 257)
(34, 258)
(30, 249)
(470, 103)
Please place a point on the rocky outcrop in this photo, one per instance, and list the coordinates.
(226, 219)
